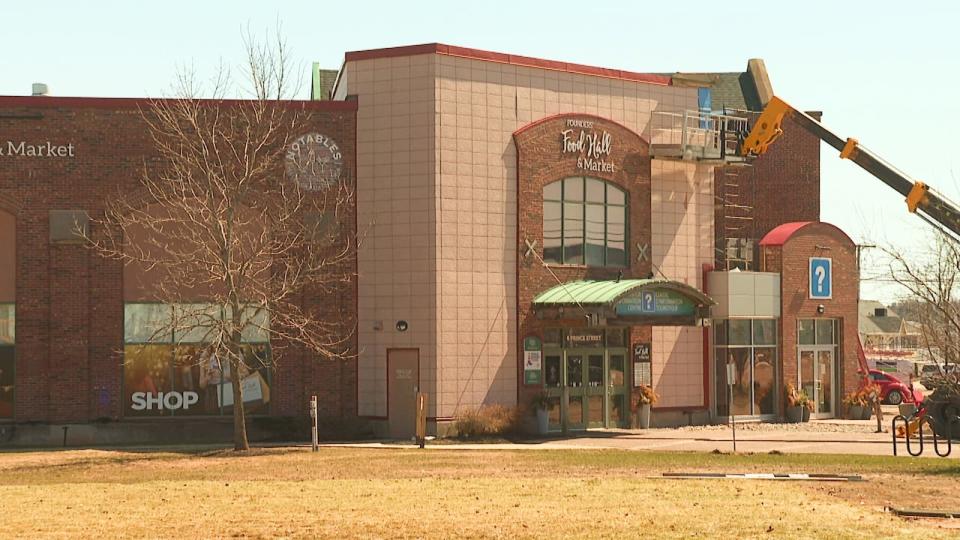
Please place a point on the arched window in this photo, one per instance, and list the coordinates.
(584, 222)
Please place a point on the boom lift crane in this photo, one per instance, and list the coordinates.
(921, 199)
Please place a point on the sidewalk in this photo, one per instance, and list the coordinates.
(818, 437)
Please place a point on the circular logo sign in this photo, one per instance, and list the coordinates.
(314, 161)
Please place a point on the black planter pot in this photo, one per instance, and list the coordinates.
(855, 412)
(795, 414)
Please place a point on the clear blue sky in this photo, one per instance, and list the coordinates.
(884, 72)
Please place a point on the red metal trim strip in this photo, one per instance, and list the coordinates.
(38, 102)
(512, 59)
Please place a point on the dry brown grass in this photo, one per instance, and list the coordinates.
(434, 493)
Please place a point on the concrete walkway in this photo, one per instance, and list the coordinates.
(818, 437)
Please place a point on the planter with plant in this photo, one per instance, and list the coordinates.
(860, 404)
(541, 406)
(647, 398)
(799, 405)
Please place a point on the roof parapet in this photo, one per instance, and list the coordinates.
(758, 71)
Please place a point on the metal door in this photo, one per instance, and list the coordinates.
(403, 379)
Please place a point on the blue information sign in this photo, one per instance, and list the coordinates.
(821, 278)
(648, 302)
(656, 303)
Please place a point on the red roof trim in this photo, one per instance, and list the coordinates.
(779, 235)
(512, 59)
(134, 103)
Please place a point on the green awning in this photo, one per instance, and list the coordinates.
(608, 293)
(659, 302)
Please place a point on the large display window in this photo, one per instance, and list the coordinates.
(750, 345)
(7, 362)
(170, 368)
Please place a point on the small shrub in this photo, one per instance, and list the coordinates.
(487, 420)
(540, 401)
(647, 396)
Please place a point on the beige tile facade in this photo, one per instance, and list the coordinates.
(682, 232)
(437, 199)
(396, 205)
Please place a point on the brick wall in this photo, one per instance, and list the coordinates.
(542, 162)
(69, 314)
(792, 261)
(781, 186)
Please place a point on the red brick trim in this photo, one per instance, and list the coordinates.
(37, 102)
(511, 59)
(675, 409)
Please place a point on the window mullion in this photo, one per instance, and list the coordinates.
(563, 221)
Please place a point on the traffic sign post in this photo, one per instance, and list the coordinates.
(313, 421)
(731, 380)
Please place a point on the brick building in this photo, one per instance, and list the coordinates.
(70, 352)
(529, 226)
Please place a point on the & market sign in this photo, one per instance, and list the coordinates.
(45, 149)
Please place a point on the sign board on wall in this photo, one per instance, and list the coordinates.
(642, 375)
(656, 302)
(821, 278)
(37, 149)
(532, 360)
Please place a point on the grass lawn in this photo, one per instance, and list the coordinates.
(461, 493)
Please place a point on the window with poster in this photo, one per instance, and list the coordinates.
(751, 346)
(171, 368)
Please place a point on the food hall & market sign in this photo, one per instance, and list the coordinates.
(591, 147)
(45, 149)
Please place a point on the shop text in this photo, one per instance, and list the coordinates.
(46, 149)
(163, 400)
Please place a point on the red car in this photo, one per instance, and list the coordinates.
(892, 390)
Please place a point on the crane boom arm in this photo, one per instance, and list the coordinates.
(919, 197)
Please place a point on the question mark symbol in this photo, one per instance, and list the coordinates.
(821, 273)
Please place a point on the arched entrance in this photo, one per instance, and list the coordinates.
(591, 367)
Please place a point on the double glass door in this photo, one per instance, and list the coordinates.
(817, 373)
(594, 381)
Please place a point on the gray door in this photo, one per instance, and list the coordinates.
(403, 379)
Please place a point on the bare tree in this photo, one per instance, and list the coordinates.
(932, 281)
(244, 224)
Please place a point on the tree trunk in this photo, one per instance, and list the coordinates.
(239, 419)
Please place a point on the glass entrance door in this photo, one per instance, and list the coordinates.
(595, 390)
(574, 381)
(618, 407)
(817, 372)
(823, 402)
(596, 386)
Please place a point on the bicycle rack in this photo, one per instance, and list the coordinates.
(906, 439)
